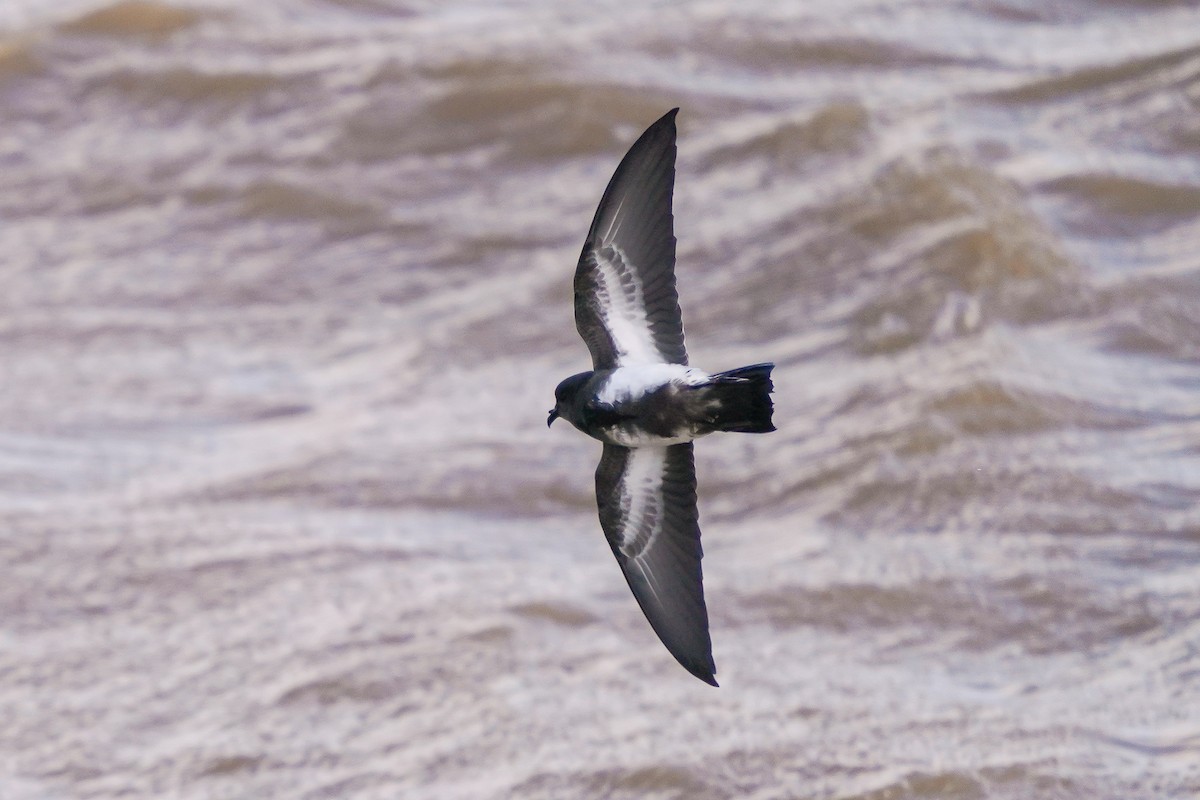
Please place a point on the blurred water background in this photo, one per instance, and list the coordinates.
(284, 294)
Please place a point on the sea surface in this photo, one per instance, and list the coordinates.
(285, 290)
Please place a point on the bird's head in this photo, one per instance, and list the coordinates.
(564, 396)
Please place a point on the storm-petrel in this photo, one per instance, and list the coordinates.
(645, 403)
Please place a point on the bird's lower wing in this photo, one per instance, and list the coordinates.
(647, 501)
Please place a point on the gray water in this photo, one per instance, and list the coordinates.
(284, 295)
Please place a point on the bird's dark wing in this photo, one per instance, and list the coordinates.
(647, 500)
(626, 306)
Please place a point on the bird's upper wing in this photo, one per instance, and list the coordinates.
(647, 500)
(626, 306)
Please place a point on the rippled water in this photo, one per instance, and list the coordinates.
(284, 294)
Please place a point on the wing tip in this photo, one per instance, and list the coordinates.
(667, 120)
(706, 675)
(699, 663)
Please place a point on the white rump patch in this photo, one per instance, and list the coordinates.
(634, 381)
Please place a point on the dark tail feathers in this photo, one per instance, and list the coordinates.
(743, 398)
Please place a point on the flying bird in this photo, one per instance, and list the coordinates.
(643, 401)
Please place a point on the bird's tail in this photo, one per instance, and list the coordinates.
(741, 399)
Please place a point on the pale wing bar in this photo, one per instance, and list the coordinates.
(647, 503)
(616, 308)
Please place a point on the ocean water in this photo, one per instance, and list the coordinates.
(284, 294)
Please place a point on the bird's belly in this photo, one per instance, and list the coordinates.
(654, 406)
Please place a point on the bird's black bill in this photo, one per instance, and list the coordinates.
(553, 416)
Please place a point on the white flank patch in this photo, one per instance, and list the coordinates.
(633, 439)
(634, 381)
